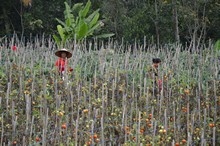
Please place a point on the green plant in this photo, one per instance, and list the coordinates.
(80, 26)
(217, 45)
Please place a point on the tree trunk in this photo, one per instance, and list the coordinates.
(157, 34)
(156, 24)
(176, 22)
(203, 31)
(22, 24)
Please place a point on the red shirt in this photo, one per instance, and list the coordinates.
(160, 84)
(61, 64)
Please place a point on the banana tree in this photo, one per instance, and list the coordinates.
(80, 26)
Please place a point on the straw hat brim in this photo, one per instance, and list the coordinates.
(59, 52)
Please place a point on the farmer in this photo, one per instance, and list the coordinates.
(61, 63)
(152, 74)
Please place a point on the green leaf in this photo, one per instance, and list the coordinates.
(57, 40)
(77, 6)
(68, 11)
(94, 20)
(68, 22)
(83, 30)
(67, 30)
(84, 12)
(77, 21)
(91, 30)
(2, 74)
(36, 112)
(217, 45)
(91, 16)
(61, 22)
(60, 30)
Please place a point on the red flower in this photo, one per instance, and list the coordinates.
(14, 48)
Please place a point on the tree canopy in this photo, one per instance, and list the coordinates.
(160, 21)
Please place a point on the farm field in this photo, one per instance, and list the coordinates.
(107, 99)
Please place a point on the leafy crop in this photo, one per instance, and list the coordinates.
(79, 26)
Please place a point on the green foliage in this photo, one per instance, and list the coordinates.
(80, 26)
(217, 45)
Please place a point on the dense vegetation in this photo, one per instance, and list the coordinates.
(109, 98)
(106, 100)
(161, 21)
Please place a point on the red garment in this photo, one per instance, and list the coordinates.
(160, 84)
(61, 64)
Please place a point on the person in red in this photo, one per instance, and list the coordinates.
(61, 63)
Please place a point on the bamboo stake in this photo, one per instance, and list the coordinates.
(7, 97)
(192, 121)
(173, 143)
(202, 138)
(2, 134)
(154, 131)
(124, 111)
(204, 125)
(77, 119)
(189, 139)
(174, 119)
(102, 118)
(23, 141)
(215, 102)
(187, 115)
(126, 124)
(213, 138)
(165, 121)
(28, 112)
(138, 128)
(31, 131)
(13, 119)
